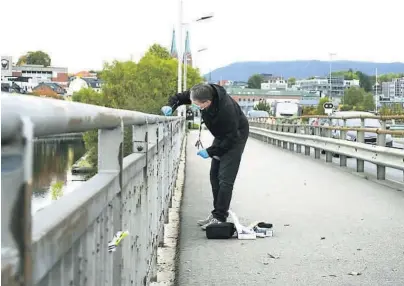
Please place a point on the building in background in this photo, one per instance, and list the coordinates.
(57, 75)
(86, 82)
(274, 83)
(6, 67)
(233, 83)
(46, 88)
(26, 77)
(173, 50)
(187, 51)
(247, 98)
(351, 83)
(322, 85)
(393, 89)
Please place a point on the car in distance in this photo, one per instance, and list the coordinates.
(351, 135)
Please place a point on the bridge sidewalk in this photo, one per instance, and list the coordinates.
(327, 223)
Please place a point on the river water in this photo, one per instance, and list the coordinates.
(53, 161)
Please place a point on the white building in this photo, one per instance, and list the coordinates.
(321, 85)
(275, 84)
(351, 83)
(42, 74)
(315, 84)
(393, 89)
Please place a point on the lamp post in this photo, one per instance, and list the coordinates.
(331, 55)
(182, 109)
(186, 67)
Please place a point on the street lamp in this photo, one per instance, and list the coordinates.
(179, 50)
(331, 55)
(186, 67)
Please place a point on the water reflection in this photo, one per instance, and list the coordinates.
(52, 166)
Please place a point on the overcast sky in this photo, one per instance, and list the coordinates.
(83, 34)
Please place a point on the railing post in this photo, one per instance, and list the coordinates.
(342, 158)
(154, 200)
(268, 127)
(16, 196)
(291, 145)
(279, 129)
(381, 141)
(317, 150)
(307, 148)
(328, 154)
(298, 146)
(360, 138)
(138, 139)
(110, 159)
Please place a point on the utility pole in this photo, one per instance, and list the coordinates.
(331, 55)
(376, 93)
(179, 55)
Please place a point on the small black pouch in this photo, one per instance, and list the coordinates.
(222, 230)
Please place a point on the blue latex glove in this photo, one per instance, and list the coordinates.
(203, 153)
(167, 110)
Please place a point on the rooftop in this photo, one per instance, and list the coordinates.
(263, 92)
(39, 68)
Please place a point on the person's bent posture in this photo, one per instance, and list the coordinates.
(226, 121)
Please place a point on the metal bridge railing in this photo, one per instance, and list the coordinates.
(67, 242)
(293, 134)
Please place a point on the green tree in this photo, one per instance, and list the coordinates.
(389, 77)
(397, 109)
(309, 110)
(159, 52)
(357, 99)
(255, 81)
(291, 81)
(366, 82)
(320, 108)
(353, 96)
(348, 75)
(263, 105)
(35, 58)
(144, 86)
(368, 103)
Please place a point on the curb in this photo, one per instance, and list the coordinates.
(167, 254)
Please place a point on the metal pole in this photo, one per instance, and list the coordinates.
(376, 93)
(185, 68)
(179, 53)
(331, 54)
(330, 79)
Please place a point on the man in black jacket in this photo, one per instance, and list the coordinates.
(229, 126)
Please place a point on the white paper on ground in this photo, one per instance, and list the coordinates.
(242, 231)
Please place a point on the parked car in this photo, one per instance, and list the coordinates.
(351, 135)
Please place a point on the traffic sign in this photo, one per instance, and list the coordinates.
(190, 115)
(328, 108)
(328, 105)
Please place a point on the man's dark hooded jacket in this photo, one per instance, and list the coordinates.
(224, 119)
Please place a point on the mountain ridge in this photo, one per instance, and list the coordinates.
(300, 69)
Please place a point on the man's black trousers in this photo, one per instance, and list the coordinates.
(223, 173)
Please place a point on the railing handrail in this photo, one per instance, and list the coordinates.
(360, 116)
(382, 154)
(377, 130)
(53, 116)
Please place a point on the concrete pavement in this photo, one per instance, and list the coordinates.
(361, 223)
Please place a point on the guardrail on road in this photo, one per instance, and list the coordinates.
(68, 244)
(296, 134)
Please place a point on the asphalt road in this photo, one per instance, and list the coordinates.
(361, 223)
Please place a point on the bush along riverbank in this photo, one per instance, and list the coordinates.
(83, 167)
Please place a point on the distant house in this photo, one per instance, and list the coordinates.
(46, 87)
(79, 83)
